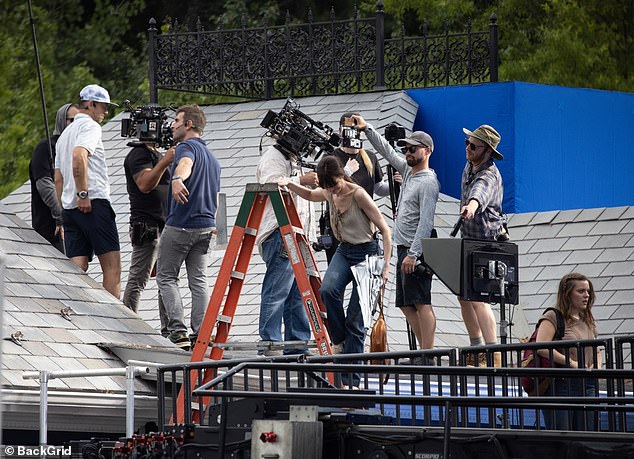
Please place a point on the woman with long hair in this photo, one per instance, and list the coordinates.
(575, 298)
(354, 218)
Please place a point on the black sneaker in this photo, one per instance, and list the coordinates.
(181, 340)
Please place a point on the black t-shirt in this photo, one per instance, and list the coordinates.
(41, 166)
(150, 208)
(361, 176)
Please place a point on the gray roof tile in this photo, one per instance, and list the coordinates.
(580, 256)
(577, 229)
(612, 240)
(615, 254)
(589, 215)
(544, 217)
(580, 242)
(612, 213)
(608, 227)
(40, 282)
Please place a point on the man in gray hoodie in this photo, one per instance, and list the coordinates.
(46, 212)
(413, 222)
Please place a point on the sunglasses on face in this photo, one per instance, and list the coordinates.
(412, 148)
(472, 146)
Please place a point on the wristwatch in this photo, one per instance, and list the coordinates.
(177, 177)
(82, 194)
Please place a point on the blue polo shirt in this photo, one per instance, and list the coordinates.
(203, 185)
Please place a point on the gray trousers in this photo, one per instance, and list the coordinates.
(141, 263)
(190, 246)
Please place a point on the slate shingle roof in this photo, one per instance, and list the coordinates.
(598, 242)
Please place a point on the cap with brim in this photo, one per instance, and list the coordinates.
(417, 138)
(489, 136)
(96, 93)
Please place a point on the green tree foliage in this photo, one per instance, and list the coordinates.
(579, 43)
(79, 42)
(582, 43)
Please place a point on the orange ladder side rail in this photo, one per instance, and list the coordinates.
(306, 273)
(240, 248)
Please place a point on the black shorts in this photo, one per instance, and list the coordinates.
(411, 289)
(91, 233)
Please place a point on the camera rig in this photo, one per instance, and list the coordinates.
(299, 135)
(148, 123)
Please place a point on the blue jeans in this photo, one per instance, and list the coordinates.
(570, 419)
(189, 246)
(280, 299)
(347, 326)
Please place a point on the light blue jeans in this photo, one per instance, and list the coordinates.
(189, 246)
(346, 326)
(280, 299)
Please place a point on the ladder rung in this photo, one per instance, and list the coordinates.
(237, 275)
(224, 318)
(251, 231)
(298, 230)
(310, 272)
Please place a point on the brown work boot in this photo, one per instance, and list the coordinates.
(482, 360)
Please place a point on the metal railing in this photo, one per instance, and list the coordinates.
(432, 395)
(44, 376)
(331, 57)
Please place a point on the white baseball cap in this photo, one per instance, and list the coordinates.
(95, 93)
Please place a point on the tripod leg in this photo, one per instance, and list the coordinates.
(411, 338)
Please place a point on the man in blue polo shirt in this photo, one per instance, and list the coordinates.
(190, 224)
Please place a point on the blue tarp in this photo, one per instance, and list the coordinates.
(564, 148)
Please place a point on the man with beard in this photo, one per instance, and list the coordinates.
(190, 224)
(481, 210)
(414, 221)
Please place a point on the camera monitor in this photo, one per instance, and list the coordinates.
(472, 269)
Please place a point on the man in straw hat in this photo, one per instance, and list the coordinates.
(481, 210)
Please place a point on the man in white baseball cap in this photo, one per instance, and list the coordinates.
(95, 93)
(83, 187)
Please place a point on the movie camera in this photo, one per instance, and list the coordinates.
(148, 123)
(394, 132)
(298, 134)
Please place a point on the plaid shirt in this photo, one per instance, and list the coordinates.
(485, 186)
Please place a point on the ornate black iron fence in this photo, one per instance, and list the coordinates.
(337, 56)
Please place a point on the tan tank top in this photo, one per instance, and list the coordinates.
(353, 225)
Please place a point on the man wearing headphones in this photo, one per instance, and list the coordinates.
(83, 188)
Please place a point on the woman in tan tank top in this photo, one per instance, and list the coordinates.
(354, 217)
(575, 298)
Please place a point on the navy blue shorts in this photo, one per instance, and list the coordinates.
(411, 289)
(92, 233)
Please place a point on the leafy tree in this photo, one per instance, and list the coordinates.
(584, 43)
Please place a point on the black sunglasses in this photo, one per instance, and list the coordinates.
(472, 146)
(412, 148)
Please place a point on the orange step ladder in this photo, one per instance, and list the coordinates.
(233, 272)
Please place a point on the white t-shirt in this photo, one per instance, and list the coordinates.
(273, 165)
(82, 132)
